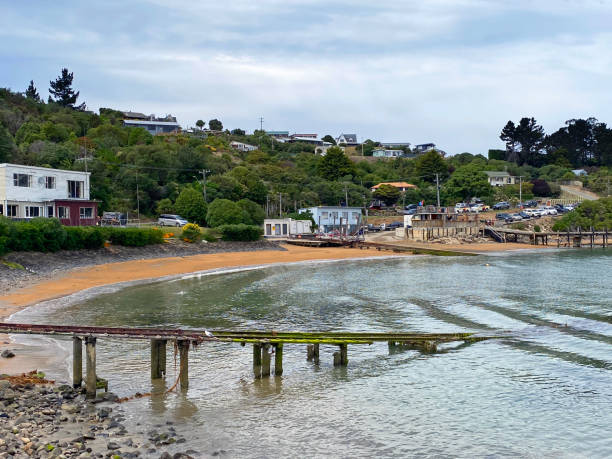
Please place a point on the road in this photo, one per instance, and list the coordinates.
(579, 192)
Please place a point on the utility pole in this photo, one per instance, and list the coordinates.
(438, 188)
(261, 120)
(280, 205)
(137, 200)
(204, 172)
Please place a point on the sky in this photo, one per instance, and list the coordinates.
(452, 72)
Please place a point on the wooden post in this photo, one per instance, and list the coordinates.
(265, 360)
(257, 360)
(309, 352)
(77, 361)
(344, 355)
(337, 359)
(278, 359)
(184, 363)
(158, 358)
(315, 353)
(90, 359)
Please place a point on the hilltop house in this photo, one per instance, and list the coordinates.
(402, 186)
(347, 139)
(242, 146)
(425, 147)
(385, 153)
(151, 123)
(500, 178)
(278, 134)
(28, 192)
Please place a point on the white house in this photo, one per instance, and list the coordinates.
(242, 146)
(151, 123)
(330, 218)
(347, 139)
(279, 227)
(385, 153)
(500, 178)
(29, 192)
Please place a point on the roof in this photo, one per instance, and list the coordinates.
(395, 184)
(147, 122)
(42, 169)
(497, 173)
(135, 115)
(349, 137)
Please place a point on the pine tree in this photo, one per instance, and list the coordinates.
(61, 90)
(32, 93)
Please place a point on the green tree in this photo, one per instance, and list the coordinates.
(32, 93)
(7, 145)
(164, 206)
(429, 164)
(254, 213)
(215, 125)
(596, 214)
(387, 193)
(238, 132)
(62, 92)
(200, 124)
(335, 164)
(466, 182)
(190, 204)
(330, 139)
(224, 212)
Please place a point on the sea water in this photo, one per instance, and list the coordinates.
(543, 389)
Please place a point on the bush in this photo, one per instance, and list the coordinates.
(254, 213)
(51, 234)
(192, 232)
(537, 229)
(224, 212)
(84, 237)
(211, 235)
(135, 237)
(240, 232)
(190, 204)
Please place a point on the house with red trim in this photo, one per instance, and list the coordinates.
(29, 192)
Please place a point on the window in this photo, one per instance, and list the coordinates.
(75, 189)
(356, 215)
(11, 211)
(50, 211)
(50, 182)
(284, 228)
(268, 229)
(510, 180)
(324, 215)
(32, 211)
(63, 212)
(345, 215)
(23, 180)
(334, 215)
(86, 212)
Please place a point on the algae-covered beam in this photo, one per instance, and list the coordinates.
(257, 360)
(77, 361)
(278, 359)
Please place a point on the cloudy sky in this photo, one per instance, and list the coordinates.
(450, 72)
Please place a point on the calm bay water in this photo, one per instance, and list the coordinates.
(545, 390)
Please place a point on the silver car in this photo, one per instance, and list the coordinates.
(171, 220)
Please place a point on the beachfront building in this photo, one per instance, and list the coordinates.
(336, 218)
(431, 222)
(402, 186)
(152, 124)
(284, 227)
(500, 178)
(28, 192)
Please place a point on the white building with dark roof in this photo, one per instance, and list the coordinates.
(347, 139)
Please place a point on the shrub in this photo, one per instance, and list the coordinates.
(135, 237)
(211, 235)
(254, 213)
(190, 204)
(240, 232)
(518, 226)
(537, 229)
(224, 212)
(192, 232)
(51, 234)
(84, 237)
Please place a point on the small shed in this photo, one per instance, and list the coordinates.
(283, 227)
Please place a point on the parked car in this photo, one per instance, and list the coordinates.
(373, 228)
(113, 219)
(531, 212)
(411, 206)
(410, 212)
(524, 215)
(393, 226)
(502, 205)
(502, 216)
(531, 203)
(551, 210)
(171, 220)
(561, 209)
(515, 218)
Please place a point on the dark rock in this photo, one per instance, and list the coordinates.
(7, 354)
(112, 445)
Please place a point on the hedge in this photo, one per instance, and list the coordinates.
(240, 232)
(48, 235)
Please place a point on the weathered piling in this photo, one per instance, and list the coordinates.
(278, 359)
(77, 361)
(90, 358)
(158, 358)
(337, 359)
(183, 346)
(265, 360)
(257, 360)
(344, 355)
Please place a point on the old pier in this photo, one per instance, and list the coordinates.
(264, 344)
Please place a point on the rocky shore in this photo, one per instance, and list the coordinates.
(45, 420)
(20, 269)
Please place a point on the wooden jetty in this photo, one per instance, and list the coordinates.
(265, 344)
(561, 238)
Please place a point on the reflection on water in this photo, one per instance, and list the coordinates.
(543, 390)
